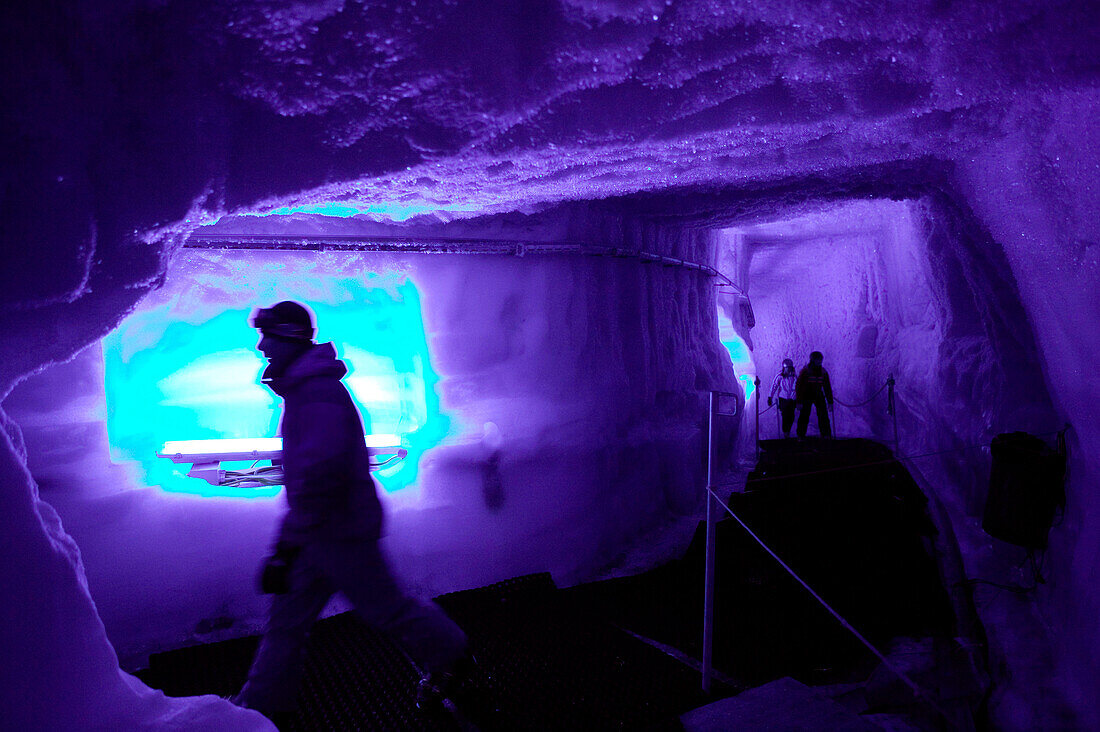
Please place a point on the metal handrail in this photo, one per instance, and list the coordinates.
(708, 584)
(713, 501)
(439, 245)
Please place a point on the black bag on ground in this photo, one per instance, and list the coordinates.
(1026, 489)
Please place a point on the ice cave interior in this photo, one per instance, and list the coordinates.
(540, 233)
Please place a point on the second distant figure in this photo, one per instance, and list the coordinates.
(814, 391)
(784, 386)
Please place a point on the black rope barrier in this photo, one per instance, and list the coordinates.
(865, 401)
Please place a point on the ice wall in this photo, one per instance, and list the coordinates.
(592, 369)
(573, 403)
(125, 125)
(59, 671)
(1037, 188)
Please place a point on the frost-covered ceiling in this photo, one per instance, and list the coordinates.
(132, 121)
(495, 102)
(492, 105)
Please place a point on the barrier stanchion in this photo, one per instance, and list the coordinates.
(890, 409)
(708, 571)
(756, 392)
(713, 507)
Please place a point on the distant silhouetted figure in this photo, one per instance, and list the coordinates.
(328, 540)
(813, 390)
(784, 385)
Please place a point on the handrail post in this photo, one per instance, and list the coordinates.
(708, 572)
(756, 391)
(891, 409)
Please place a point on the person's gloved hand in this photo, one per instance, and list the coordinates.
(275, 574)
(769, 401)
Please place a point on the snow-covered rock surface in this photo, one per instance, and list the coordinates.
(128, 125)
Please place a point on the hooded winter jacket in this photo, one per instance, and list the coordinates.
(784, 384)
(813, 383)
(329, 488)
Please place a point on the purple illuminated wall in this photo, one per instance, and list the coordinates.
(562, 423)
(129, 126)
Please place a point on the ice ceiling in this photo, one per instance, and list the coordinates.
(485, 106)
(128, 125)
(392, 108)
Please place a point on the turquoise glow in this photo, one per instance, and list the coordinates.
(739, 352)
(749, 384)
(738, 349)
(346, 209)
(327, 209)
(169, 377)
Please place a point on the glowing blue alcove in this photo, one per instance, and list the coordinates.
(184, 367)
(740, 355)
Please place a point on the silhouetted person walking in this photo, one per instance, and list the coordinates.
(328, 540)
(813, 390)
(784, 385)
